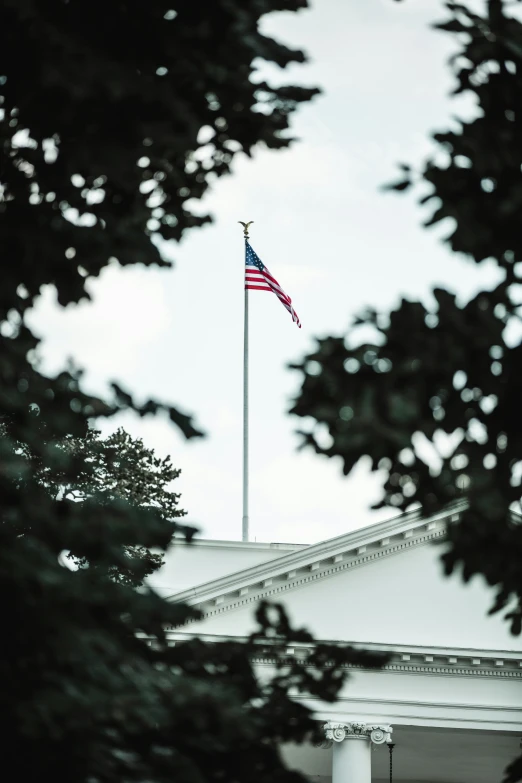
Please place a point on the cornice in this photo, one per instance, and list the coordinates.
(444, 665)
(404, 659)
(256, 546)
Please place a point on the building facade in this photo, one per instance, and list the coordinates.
(450, 699)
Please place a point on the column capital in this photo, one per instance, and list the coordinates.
(337, 732)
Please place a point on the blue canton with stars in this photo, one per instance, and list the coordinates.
(252, 259)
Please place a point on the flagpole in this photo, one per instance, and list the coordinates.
(245, 525)
(245, 421)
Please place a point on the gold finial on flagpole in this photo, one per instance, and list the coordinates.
(246, 226)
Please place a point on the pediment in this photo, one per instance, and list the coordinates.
(319, 561)
(381, 584)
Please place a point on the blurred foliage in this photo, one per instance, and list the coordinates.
(432, 394)
(114, 116)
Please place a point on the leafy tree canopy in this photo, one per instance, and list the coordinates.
(116, 468)
(122, 467)
(454, 370)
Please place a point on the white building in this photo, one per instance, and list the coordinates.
(451, 697)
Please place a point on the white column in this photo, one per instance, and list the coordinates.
(352, 761)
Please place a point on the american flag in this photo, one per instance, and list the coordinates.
(258, 278)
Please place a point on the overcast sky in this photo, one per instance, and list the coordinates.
(333, 240)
